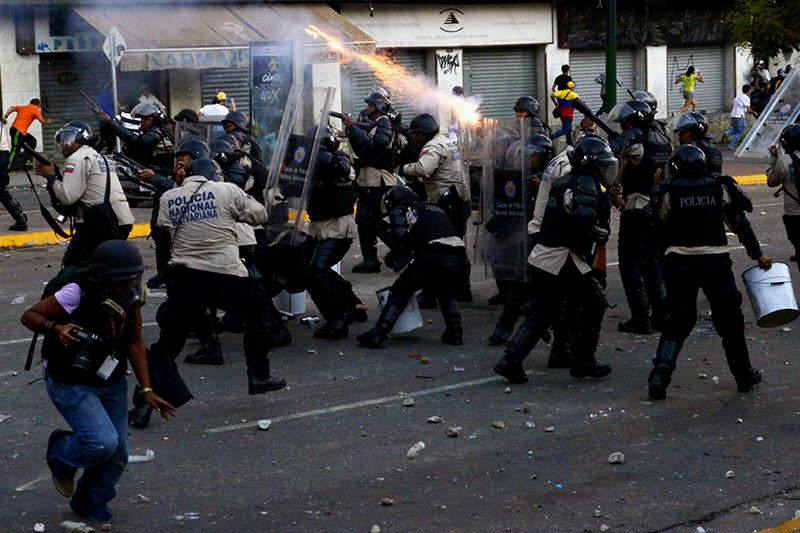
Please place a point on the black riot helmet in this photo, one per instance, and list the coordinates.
(694, 124)
(380, 101)
(147, 109)
(330, 141)
(221, 152)
(397, 196)
(237, 175)
(186, 115)
(687, 161)
(115, 260)
(230, 139)
(542, 146)
(238, 119)
(205, 167)
(790, 138)
(425, 124)
(648, 98)
(195, 148)
(592, 154)
(527, 103)
(75, 132)
(641, 114)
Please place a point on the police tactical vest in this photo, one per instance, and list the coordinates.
(696, 216)
(427, 222)
(657, 149)
(713, 156)
(331, 198)
(559, 227)
(91, 318)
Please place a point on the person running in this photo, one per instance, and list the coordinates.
(566, 110)
(26, 114)
(741, 107)
(689, 80)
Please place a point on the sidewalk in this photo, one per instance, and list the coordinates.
(746, 172)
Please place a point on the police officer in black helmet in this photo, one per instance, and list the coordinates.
(782, 172)
(695, 208)
(643, 150)
(139, 145)
(92, 328)
(235, 123)
(528, 107)
(425, 247)
(649, 98)
(693, 128)
(562, 260)
(372, 144)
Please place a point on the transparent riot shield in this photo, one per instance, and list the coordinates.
(783, 109)
(205, 130)
(506, 200)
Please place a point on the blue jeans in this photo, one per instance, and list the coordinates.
(738, 126)
(98, 442)
(566, 129)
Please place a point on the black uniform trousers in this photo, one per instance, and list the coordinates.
(582, 296)
(85, 241)
(161, 239)
(684, 276)
(190, 292)
(437, 269)
(368, 214)
(332, 294)
(640, 266)
(792, 223)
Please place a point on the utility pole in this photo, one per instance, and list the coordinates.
(611, 54)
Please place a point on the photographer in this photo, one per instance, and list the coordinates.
(92, 327)
(90, 191)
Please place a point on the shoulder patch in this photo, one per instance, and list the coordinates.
(69, 168)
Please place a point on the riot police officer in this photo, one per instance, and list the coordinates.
(235, 123)
(643, 150)
(373, 144)
(561, 263)
(693, 128)
(782, 172)
(331, 233)
(206, 270)
(539, 152)
(695, 207)
(528, 107)
(139, 145)
(649, 98)
(90, 190)
(425, 246)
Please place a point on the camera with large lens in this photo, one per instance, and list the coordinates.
(83, 360)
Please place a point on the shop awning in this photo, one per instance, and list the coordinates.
(212, 36)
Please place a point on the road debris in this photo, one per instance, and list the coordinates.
(386, 502)
(715, 380)
(408, 402)
(453, 431)
(507, 390)
(786, 329)
(458, 369)
(759, 439)
(76, 527)
(700, 530)
(702, 376)
(739, 421)
(375, 529)
(141, 498)
(616, 458)
(729, 474)
(530, 424)
(310, 320)
(499, 424)
(148, 456)
(604, 527)
(754, 510)
(424, 361)
(38, 527)
(549, 429)
(264, 424)
(413, 452)
(434, 420)
(559, 486)
(3, 418)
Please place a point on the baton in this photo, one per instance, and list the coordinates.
(584, 109)
(336, 114)
(92, 103)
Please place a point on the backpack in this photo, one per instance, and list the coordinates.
(71, 274)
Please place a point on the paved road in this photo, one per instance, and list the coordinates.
(339, 437)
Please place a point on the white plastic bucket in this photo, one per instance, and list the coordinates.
(291, 304)
(771, 294)
(410, 319)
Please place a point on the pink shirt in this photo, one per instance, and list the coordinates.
(69, 296)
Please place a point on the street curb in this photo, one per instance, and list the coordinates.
(43, 238)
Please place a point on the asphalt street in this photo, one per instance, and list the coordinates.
(339, 436)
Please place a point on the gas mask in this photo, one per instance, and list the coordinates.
(120, 304)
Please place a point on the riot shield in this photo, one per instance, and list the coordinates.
(783, 109)
(506, 200)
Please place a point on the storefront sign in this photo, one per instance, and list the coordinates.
(75, 43)
(197, 59)
(271, 78)
(442, 25)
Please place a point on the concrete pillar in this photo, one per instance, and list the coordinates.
(184, 90)
(19, 75)
(554, 58)
(656, 79)
(325, 75)
(742, 65)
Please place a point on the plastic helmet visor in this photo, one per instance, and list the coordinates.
(66, 136)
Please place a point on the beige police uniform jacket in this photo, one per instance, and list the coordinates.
(85, 181)
(439, 167)
(201, 215)
(779, 172)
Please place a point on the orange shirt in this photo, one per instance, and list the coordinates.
(26, 114)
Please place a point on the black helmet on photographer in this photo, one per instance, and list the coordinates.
(116, 273)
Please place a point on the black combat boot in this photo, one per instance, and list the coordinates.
(638, 326)
(738, 357)
(156, 282)
(512, 309)
(210, 353)
(584, 364)
(561, 352)
(334, 329)
(367, 266)
(453, 333)
(663, 365)
(426, 300)
(391, 312)
(259, 379)
(501, 333)
(232, 322)
(20, 218)
(279, 333)
(520, 345)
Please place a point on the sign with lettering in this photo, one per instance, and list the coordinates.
(74, 43)
(271, 79)
(445, 26)
(197, 59)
